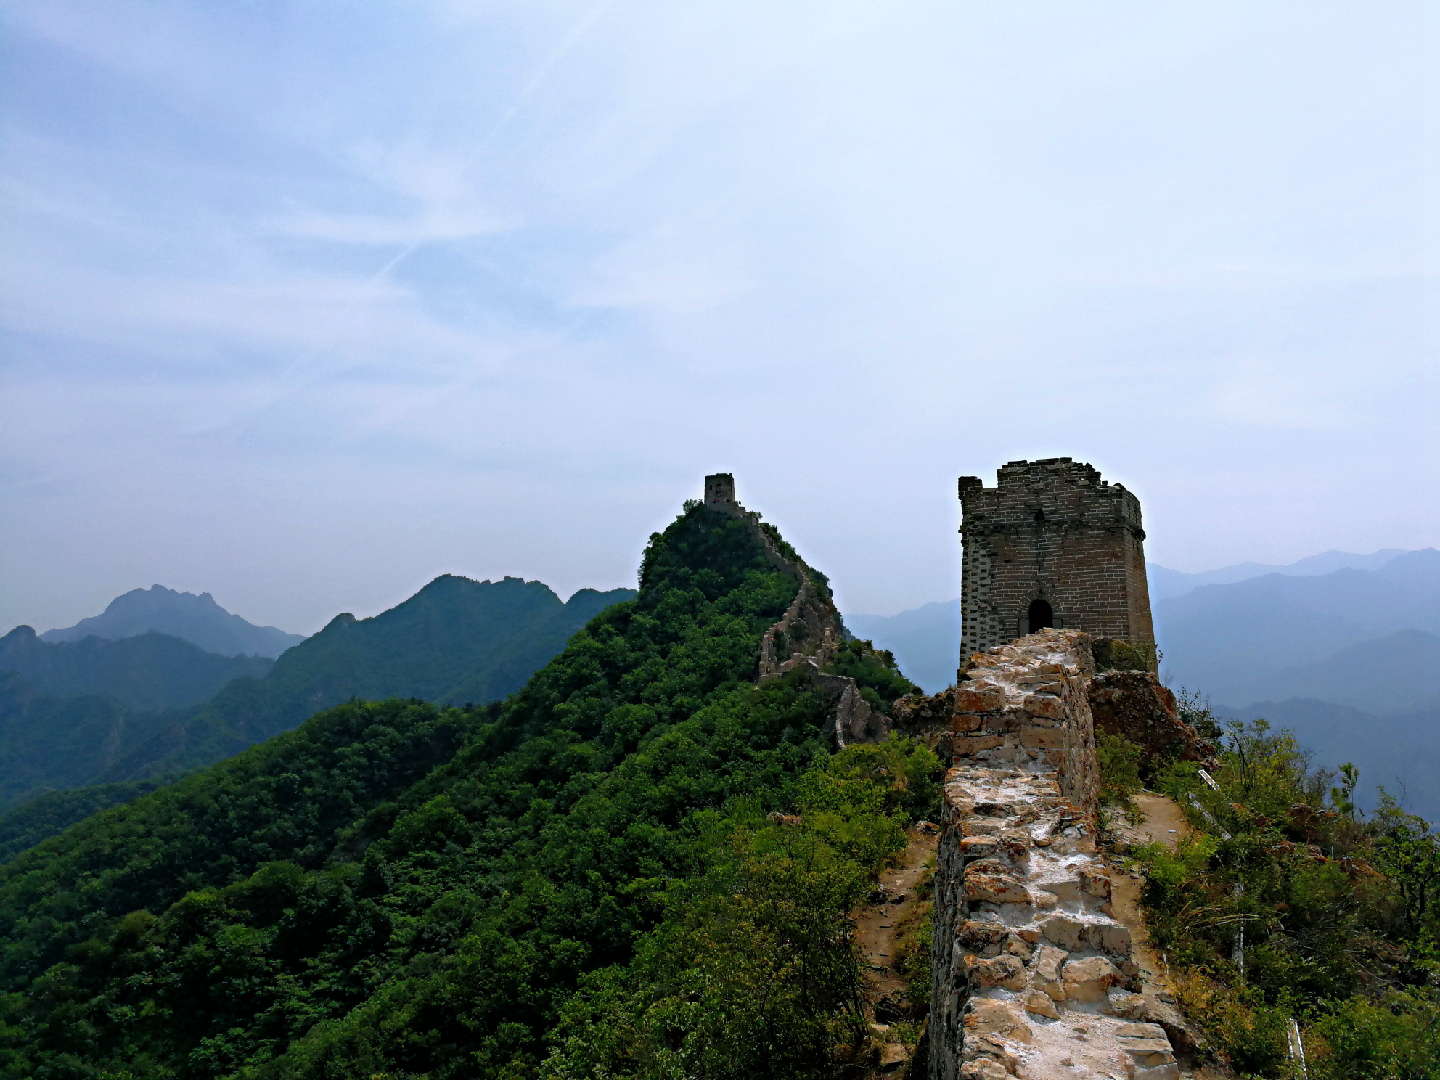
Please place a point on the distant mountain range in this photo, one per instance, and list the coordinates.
(925, 641)
(1166, 583)
(196, 619)
(1280, 636)
(68, 712)
(148, 671)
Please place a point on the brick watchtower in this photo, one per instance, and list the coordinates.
(720, 492)
(1051, 545)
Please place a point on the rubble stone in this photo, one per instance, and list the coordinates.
(1017, 873)
(1089, 979)
(1039, 1003)
(1004, 971)
(998, 1018)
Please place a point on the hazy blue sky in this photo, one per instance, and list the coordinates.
(304, 303)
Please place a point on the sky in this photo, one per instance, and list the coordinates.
(304, 303)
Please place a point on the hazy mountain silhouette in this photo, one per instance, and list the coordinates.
(1272, 636)
(148, 671)
(1387, 674)
(925, 641)
(454, 641)
(196, 619)
(1166, 584)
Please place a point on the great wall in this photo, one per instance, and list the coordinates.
(1034, 971)
(1033, 974)
(807, 635)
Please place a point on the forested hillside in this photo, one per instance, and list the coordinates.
(149, 671)
(51, 742)
(456, 641)
(44, 816)
(316, 908)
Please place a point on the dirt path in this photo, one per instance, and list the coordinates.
(1162, 823)
(882, 921)
(892, 910)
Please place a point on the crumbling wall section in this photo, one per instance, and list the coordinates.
(807, 635)
(927, 718)
(1032, 974)
(1026, 702)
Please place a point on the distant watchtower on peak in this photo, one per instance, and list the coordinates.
(720, 492)
(1051, 545)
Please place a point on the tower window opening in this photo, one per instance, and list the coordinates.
(1042, 616)
(1039, 517)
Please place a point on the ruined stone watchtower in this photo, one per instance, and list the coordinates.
(720, 492)
(1051, 545)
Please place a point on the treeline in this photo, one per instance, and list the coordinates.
(404, 890)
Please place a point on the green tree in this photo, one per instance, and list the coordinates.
(1409, 852)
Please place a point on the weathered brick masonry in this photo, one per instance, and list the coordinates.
(1051, 532)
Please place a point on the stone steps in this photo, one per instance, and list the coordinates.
(1034, 977)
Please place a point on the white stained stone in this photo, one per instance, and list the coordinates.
(1045, 972)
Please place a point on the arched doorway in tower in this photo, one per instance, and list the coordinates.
(1042, 615)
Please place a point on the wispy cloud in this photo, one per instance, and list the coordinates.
(453, 276)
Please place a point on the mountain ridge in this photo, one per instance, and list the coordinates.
(149, 671)
(193, 617)
(1231, 640)
(1166, 583)
(402, 889)
(455, 641)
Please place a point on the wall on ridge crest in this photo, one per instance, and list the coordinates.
(1032, 975)
(1027, 702)
(809, 632)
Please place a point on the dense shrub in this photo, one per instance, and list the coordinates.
(1285, 905)
(1119, 762)
(753, 971)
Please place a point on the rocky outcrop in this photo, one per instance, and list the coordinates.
(1136, 705)
(1032, 974)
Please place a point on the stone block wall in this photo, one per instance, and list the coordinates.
(1032, 973)
(1051, 530)
(1026, 702)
